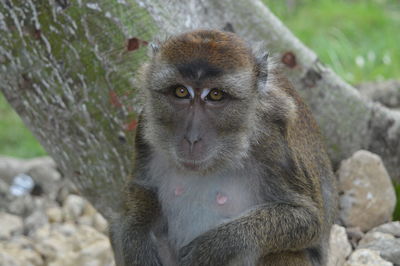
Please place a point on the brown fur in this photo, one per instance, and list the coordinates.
(212, 46)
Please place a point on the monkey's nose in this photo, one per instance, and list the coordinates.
(192, 141)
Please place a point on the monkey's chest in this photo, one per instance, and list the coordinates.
(192, 206)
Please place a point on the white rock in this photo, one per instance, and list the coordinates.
(366, 257)
(100, 224)
(374, 236)
(34, 221)
(51, 243)
(10, 225)
(54, 214)
(89, 210)
(19, 252)
(98, 253)
(70, 244)
(367, 194)
(27, 204)
(74, 207)
(86, 220)
(339, 246)
(387, 245)
(392, 228)
(10, 167)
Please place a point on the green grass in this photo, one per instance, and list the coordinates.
(15, 139)
(344, 32)
(396, 214)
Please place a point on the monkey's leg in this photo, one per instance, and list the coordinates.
(270, 228)
(130, 233)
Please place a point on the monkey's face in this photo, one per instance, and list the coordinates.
(201, 124)
(200, 92)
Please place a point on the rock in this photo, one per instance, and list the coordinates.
(54, 215)
(89, 210)
(355, 235)
(98, 253)
(74, 207)
(374, 236)
(339, 246)
(67, 188)
(100, 224)
(10, 167)
(86, 220)
(386, 244)
(10, 225)
(25, 205)
(4, 195)
(22, 206)
(367, 194)
(34, 221)
(42, 170)
(4, 187)
(392, 228)
(385, 92)
(69, 244)
(19, 252)
(47, 178)
(91, 217)
(52, 241)
(366, 257)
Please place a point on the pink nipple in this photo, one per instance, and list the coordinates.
(178, 191)
(221, 199)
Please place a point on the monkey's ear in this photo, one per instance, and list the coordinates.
(154, 48)
(261, 59)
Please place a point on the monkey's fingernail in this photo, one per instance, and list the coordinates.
(221, 199)
(178, 191)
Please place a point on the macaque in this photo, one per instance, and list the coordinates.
(230, 168)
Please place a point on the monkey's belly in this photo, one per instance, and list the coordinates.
(193, 206)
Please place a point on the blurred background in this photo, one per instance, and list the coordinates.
(358, 39)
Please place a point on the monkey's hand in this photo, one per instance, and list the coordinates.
(269, 228)
(203, 251)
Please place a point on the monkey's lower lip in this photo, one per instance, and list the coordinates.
(192, 165)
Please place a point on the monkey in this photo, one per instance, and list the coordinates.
(230, 166)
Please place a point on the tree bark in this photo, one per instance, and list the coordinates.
(67, 68)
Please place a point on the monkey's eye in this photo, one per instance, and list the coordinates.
(182, 92)
(216, 95)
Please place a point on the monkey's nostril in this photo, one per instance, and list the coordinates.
(192, 142)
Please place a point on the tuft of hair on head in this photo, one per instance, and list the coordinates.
(156, 44)
(261, 56)
(154, 48)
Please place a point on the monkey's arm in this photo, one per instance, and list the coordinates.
(269, 228)
(130, 232)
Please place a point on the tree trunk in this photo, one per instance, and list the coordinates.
(67, 68)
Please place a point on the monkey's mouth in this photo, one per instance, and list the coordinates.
(194, 164)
